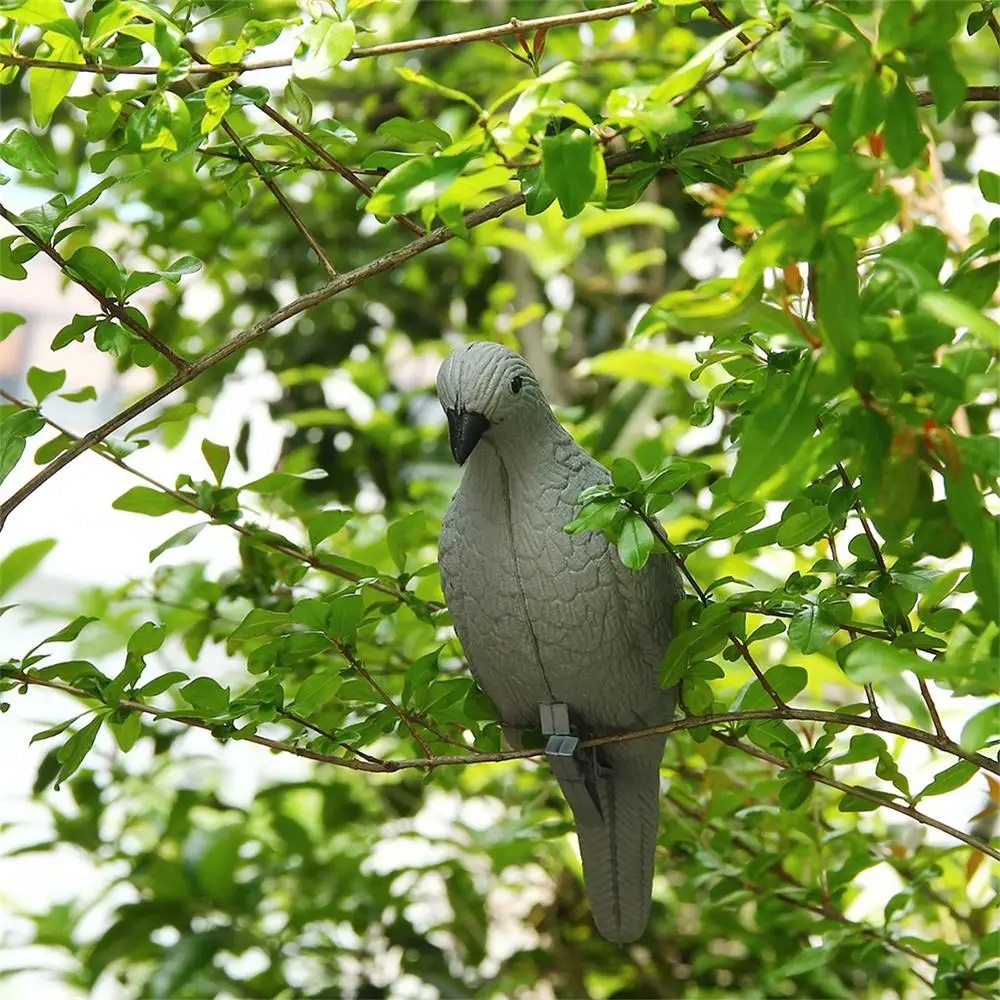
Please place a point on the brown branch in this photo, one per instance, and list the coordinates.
(743, 648)
(432, 761)
(678, 725)
(863, 793)
(247, 336)
(334, 164)
(110, 307)
(331, 271)
(991, 21)
(225, 154)
(512, 27)
(715, 12)
(779, 150)
(191, 501)
(301, 720)
(311, 143)
(348, 654)
(389, 262)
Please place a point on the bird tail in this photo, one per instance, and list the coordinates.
(619, 847)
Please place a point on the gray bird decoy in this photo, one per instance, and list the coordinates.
(558, 633)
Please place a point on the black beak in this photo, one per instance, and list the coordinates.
(465, 428)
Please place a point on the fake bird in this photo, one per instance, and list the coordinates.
(559, 634)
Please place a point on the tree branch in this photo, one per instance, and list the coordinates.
(511, 27)
(110, 307)
(678, 725)
(256, 537)
(331, 271)
(389, 262)
(863, 793)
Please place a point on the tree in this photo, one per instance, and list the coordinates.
(807, 433)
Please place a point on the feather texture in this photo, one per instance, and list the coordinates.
(544, 616)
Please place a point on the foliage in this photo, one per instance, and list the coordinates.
(808, 436)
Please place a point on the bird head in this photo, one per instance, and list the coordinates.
(482, 386)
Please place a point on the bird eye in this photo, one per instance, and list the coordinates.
(515, 383)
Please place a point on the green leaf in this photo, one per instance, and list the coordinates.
(624, 474)
(802, 527)
(147, 638)
(317, 691)
(904, 138)
(47, 87)
(344, 616)
(735, 521)
(809, 958)
(68, 633)
(56, 730)
(146, 500)
(275, 482)
(183, 265)
(410, 133)
(218, 97)
(14, 430)
(787, 681)
(182, 537)
(22, 561)
(636, 542)
(949, 779)
(206, 695)
(983, 727)
(411, 76)
(328, 41)
(570, 169)
(326, 523)
(989, 185)
(793, 794)
(795, 104)
(160, 684)
(260, 622)
(864, 746)
(837, 301)
(99, 269)
(405, 535)
(417, 182)
(956, 313)
(217, 456)
(871, 661)
(811, 628)
(73, 751)
(43, 383)
(9, 321)
(781, 422)
(21, 150)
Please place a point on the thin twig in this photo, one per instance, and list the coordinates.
(110, 307)
(311, 143)
(266, 539)
(743, 648)
(780, 150)
(389, 262)
(864, 793)
(245, 337)
(331, 271)
(678, 725)
(847, 626)
(447, 761)
(320, 731)
(356, 182)
(291, 164)
(512, 27)
(715, 12)
(904, 622)
(348, 654)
